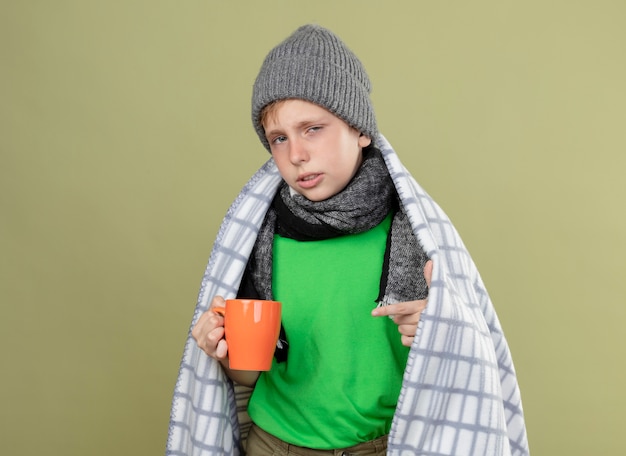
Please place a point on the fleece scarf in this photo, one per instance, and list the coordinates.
(460, 393)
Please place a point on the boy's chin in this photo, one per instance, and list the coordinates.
(307, 195)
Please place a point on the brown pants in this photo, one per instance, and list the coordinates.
(260, 443)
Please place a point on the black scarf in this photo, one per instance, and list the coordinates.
(361, 206)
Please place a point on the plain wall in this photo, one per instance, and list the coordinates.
(125, 134)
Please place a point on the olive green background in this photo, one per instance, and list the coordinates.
(125, 135)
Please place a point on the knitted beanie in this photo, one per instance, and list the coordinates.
(313, 64)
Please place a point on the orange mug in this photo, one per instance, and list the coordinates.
(251, 330)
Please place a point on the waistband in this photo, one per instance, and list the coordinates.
(374, 447)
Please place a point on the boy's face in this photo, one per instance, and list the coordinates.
(316, 152)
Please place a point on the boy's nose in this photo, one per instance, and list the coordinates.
(298, 152)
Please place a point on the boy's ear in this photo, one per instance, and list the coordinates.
(364, 140)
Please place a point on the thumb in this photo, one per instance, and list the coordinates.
(428, 272)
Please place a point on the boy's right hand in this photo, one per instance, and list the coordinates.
(209, 335)
(209, 332)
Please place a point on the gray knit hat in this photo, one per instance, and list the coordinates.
(313, 64)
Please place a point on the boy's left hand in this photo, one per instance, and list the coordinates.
(407, 314)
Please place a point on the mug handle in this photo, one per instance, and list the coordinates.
(219, 310)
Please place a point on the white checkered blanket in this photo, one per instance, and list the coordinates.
(460, 394)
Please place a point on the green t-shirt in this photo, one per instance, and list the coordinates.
(341, 381)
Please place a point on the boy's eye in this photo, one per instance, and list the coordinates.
(279, 140)
(314, 129)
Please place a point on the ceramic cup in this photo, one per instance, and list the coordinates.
(251, 330)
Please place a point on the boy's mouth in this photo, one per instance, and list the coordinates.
(309, 180)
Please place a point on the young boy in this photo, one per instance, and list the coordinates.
(333, 240)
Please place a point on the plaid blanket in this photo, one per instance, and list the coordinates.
(460, 394)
